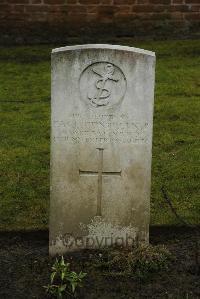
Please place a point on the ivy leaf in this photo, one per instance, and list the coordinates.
(53, 274)
(63, 287)
(62, 275)
(73, 284)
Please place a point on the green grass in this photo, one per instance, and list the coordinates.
(25, 128)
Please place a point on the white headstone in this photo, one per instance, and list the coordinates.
(102, 118)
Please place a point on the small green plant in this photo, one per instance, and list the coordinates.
(141, 262)
(149, 260)
(64, 282)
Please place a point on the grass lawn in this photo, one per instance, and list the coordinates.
(25, 130)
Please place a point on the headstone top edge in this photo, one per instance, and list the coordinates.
(104, 46)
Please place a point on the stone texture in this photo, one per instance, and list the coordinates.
(102, 117)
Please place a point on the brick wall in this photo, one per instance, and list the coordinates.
(56, 20)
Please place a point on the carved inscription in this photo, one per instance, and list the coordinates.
(102, 84)
(101, 129)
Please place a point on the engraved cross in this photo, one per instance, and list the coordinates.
(100, 173)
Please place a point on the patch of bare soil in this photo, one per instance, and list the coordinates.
(25, 268)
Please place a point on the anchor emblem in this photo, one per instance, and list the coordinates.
(102, 95)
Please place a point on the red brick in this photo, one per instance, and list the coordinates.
(106, 19)
(161, 8)
(123, 16)
(143, 8)
(192, 1)
(177, 15)
(17, 16)
(77, 18)
(4, 7)
(19, 1)
(181, 8)
(55, 9)
(36, 8)
(106, 2)
(88, 2)
(142, 1)
(160, 1)
(92, 9)
(192, 16)
(18, 8)
(40, 17)
(107, 10)
(55, 17)
(91, 17)
(125, 2)
(178, 1)
(194, 8)
(77, 9)
(153, 16)
(54, 2)
(123, 8)
(36, 1)
(71, 1)
(117, 12)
